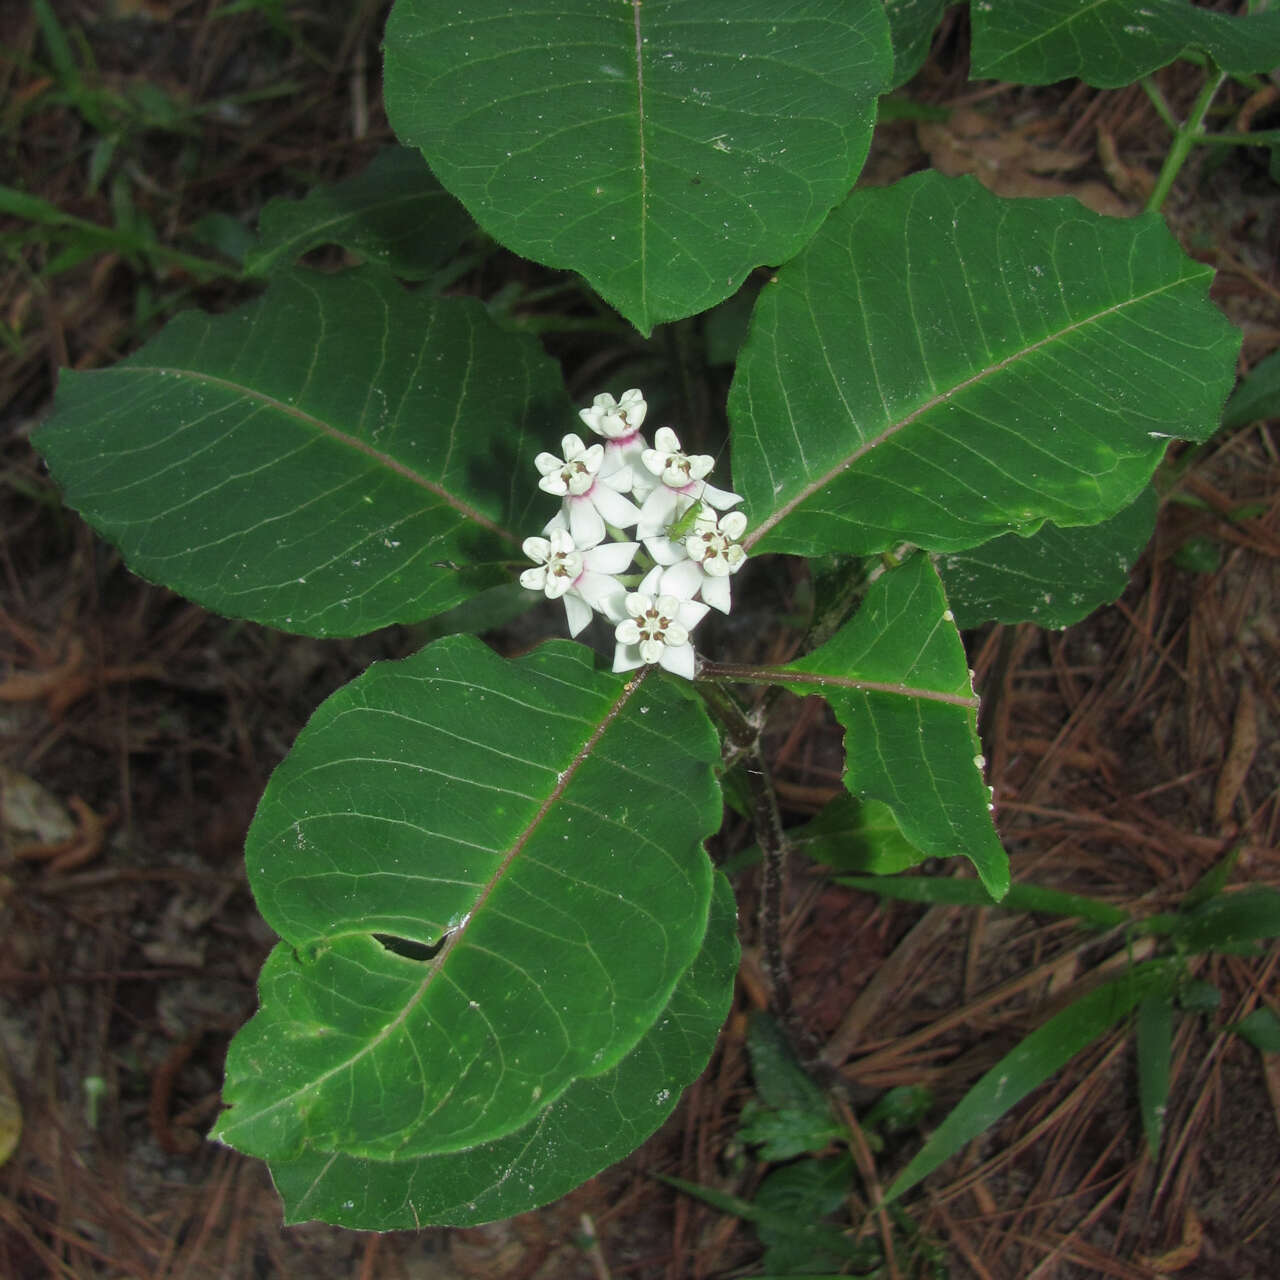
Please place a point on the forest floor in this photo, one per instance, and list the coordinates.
(1130, 754)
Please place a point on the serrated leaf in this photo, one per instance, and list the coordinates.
(786, 1133)
(898, 681)
(1053, 577)
(941, 366)
(334, 457)
(779, 1079)
(394, 213)
(594, 1123)
(661, 151)
(789, 1211)
(787, 1214)
(1111, 43)
(1044, 1051)
(534, 828)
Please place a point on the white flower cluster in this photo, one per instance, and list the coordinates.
(674, 512)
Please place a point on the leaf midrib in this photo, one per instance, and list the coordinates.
(437, 962)
(816, 486)
(464, 509)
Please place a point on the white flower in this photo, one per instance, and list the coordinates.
(619, 422)
(584, 578)
(590, 499)
(682, 484)
(658, 628)
(714, 554)
(675, 467)
(616, 419)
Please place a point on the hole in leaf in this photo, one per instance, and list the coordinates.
(409, 948)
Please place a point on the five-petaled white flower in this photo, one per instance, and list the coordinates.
(584, 578)
(713, 554)
(658, 628)
(591, 500)
(619, 422)
(682, 483)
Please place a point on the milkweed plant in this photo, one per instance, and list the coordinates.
(503, 948)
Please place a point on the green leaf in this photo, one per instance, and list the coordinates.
(950, 891)
(1043, 1052)
(533, 829)
(334, 457)
(790, 1206)
(941, 366)
(593, 1124)
(1111, 43)
(779, 1079)
(911, 27)
(1261, 1028)
(789, 1211)
(899, 1109)
(394, 213)
(661, 151)
(1257, 396)
(1230, 919)
(785, 1133)
(1155, 1047)
(1199, 997)
(856, 835)
(898, 680)
(1213, 882)
(1055, 576)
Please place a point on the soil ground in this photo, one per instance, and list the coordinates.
(1129, 753)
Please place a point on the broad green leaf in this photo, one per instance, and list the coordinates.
(394, 213)
(1053, 577)
(1044, 1051)
(334, 457)
(951, 891)
(856, 835)
(941, 366)
(593, 1124)
(1111, 43)
(911, 27)
(1257, 396)
(662, 150)
(898, 680)
(533, 829)
(1155, 1048)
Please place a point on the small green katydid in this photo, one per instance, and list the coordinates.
(686, 521)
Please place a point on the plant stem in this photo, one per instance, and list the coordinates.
(744, 735)
(1185, 135)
